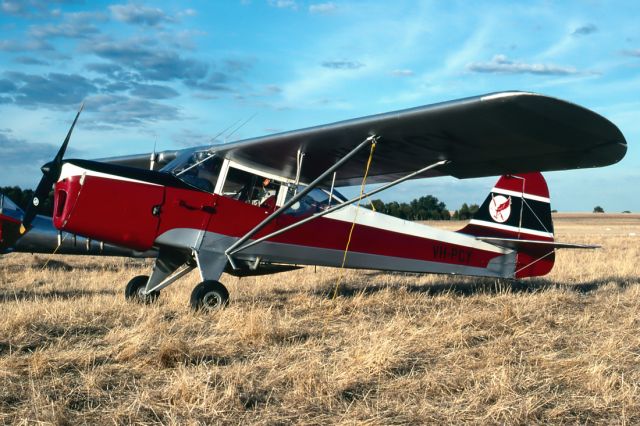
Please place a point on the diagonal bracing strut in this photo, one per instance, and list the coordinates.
(232, 249)
(231, 252)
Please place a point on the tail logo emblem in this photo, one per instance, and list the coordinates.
(500, 208)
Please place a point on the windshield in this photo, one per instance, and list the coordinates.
(198, 168)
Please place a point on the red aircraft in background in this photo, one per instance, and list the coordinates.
(269, 204)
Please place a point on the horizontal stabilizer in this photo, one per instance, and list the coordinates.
(516, 244)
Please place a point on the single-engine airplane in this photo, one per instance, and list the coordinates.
(269, 204)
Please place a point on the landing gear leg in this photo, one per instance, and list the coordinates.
(209, 296)
(134, 290)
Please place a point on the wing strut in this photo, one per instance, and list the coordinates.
(231, 251)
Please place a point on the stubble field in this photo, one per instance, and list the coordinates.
(389, 349)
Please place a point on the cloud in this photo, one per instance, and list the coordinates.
(273, 89)
(137, 14)
(322, 8)
(75, 25)
(238, 65)
(284, 4)
(21, 160)
(128, 111)
(585, 30)
(501, 65)
(189, 138)
(29, 60)
(51, 89)
(143, 60)
(342, 65)
(635, 53)
(187, 12)
(150, 61)
(153, 91)
(6, 86)
(402, 73)
(32, 8)
(25, 46)
(18, 151)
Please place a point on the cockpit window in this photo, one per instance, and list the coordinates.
(199, 169)
(250, 188)
(315, 201)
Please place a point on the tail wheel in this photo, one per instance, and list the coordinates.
(135, 290)
(209, 296)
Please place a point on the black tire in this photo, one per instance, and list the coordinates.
(209, 296)
(135, 287)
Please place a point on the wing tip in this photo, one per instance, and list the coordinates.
(506, 94)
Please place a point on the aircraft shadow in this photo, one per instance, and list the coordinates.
(58, 265)
(470, 287)
(24, 295)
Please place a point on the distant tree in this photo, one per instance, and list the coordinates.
(554, 211)
(626, 211)
(423, 208)
(378, 205)
(598, 209)
(466, 211)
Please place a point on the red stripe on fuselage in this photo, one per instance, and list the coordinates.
(120, 212)
(235, 218)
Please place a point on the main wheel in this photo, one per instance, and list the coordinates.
(135, 290)
(209, 296)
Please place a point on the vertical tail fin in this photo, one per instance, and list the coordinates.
(518, 208)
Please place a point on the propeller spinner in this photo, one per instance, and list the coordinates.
(50, 174)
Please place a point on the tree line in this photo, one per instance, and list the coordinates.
(424, 208)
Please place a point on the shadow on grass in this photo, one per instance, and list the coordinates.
(24, 295)
(469, 287)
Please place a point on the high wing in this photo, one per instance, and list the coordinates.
(494, 134)
(499, 133)
(143, 161)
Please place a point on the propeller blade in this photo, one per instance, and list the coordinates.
(50, 174)
(58, 158)
(41, 193)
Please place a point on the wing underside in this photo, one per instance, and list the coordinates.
(496, 134)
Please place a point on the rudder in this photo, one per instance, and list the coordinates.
(518, 208)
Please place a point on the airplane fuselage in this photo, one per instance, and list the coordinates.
(144, 210)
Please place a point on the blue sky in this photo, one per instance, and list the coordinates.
(176, 74)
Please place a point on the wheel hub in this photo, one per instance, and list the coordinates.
(211, 300)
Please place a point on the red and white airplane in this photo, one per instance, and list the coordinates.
(269, 204)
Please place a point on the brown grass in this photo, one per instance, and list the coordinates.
(391, 349)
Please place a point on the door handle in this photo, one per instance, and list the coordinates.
(204, 207)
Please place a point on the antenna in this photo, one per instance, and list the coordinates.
(223, 131)
(241, 126)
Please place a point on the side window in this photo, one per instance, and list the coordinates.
(250, 188)
(315, 201)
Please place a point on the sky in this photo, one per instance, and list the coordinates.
(179, 74)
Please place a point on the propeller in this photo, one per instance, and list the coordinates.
(51, 173)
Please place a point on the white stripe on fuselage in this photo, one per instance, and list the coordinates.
(70, 170)
(521, 194)
(373, 219)
(511, 228)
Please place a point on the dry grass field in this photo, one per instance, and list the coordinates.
(390, 349)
